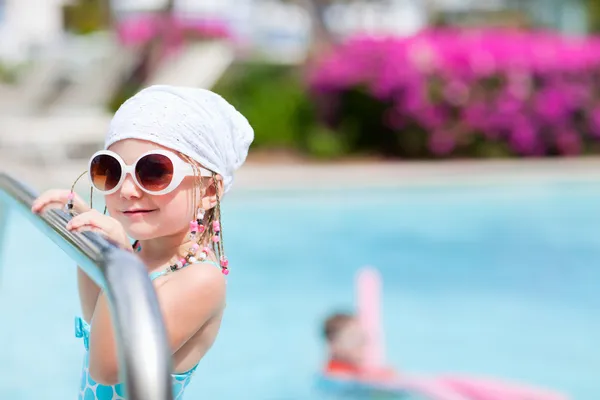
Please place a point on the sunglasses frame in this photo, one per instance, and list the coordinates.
(181, 169)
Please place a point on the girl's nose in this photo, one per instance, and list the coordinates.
(129, 190)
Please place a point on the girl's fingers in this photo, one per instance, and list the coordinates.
(106, 226)
(50, 206)
(46, 198)
(90, 218)
(90, 228)
(57, 198)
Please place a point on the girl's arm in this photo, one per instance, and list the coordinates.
(188, 300)
(88, 294)
(57, 198)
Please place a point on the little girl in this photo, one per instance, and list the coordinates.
(170, 154)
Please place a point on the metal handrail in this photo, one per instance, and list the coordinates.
(144, 354)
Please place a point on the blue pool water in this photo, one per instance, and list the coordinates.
(491, 280)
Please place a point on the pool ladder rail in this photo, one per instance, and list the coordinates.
(144, 355)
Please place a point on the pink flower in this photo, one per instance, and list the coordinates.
(503, 86)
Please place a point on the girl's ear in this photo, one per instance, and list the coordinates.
(213, 193)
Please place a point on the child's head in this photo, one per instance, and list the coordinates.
(165, 212)
(345, 338)
(184, 145)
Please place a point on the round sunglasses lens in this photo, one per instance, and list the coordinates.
(154, 172)
(105, 171)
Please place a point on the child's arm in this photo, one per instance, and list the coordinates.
(88, 294)
(189, 299)
(57, 198)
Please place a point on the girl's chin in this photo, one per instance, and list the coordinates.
(141, 231)
(144, 231)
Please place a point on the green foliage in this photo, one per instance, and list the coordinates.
(593, 12)
(86, 16)
(324, 143)
(274, 100)
(8, 74)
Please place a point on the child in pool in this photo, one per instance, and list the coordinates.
(170, 154)
(346, 346)
(346, 342)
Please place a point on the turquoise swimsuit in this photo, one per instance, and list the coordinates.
(91, 390)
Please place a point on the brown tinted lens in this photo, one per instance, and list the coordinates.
(105, 171)
(154, 172)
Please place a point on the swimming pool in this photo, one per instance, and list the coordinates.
(493, 280)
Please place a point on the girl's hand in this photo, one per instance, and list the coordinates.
(106, 226)
(87, 219)
(58, 198)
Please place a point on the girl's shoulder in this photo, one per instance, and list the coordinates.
(196, 277)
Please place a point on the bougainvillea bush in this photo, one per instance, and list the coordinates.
(451, 93)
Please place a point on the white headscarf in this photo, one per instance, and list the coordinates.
(195, 122)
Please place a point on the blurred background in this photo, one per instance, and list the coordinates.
(451, 144)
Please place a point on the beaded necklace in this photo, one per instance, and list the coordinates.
(191, 258)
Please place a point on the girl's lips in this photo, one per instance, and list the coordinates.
(133, 213)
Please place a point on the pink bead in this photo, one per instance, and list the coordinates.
(225, 271)
(206, 250)
(71, 196)
(195, 247)
(224, 262)
(194, 226)
(201, 228)
(182, 261)
(216, 226)
(216, 239)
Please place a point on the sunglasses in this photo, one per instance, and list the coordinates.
(155, 172)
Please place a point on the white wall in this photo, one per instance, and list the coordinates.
(401, 17)
(206, 7)
(279, 31)
(29, 25)
(136, 5)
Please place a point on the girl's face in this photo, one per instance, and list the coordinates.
(145, 216)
